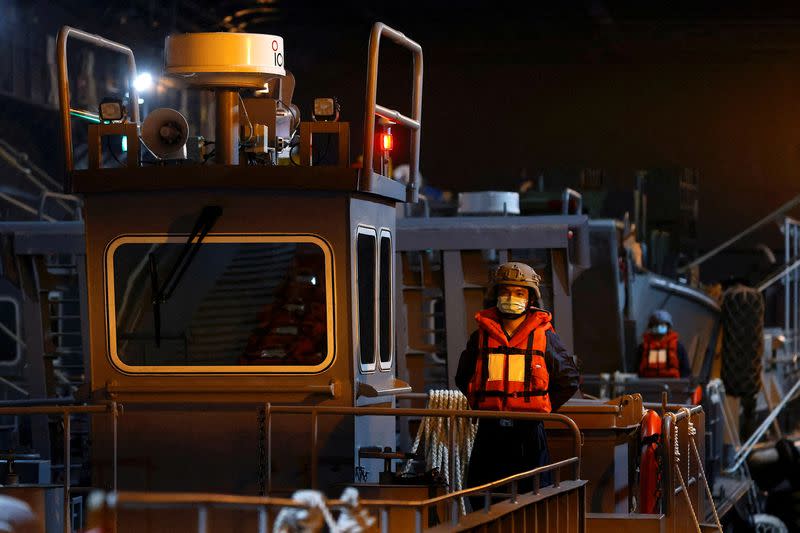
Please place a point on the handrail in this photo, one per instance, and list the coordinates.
(202, 498)
(13, 386)
(769, 282)
(571, 193)
(678, 410)
(472, 490)
(743, 452)
(372, 108)
(64, 100)
(45, 407)
(59, 196)
(794, 202)
(14, 158)
(24, 206)
(452, 414)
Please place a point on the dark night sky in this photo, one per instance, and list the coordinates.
(608, 85)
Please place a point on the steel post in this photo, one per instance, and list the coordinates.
(226, 143)
(67, 469)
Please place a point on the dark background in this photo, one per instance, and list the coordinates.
(512, 89)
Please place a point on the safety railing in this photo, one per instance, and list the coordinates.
(451, 415)
(779, 212)
(373, 109)
(566, 196)
(52, 407)
(791, 282)
(104, 506)
(744, 450)
(64, 99)
(683, 472)
(486, 491)
(62, 198)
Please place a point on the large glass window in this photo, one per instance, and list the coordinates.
(386, 318)
(365, 258)
(240, 303)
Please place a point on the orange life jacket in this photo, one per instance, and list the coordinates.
(511, 374)
(660, 356)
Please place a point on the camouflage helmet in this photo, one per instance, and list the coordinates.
(517, 274)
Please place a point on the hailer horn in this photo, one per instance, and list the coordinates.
(165, 132)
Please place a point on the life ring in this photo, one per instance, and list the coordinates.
(649, 490)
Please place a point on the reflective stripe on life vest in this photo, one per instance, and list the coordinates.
(660, 356)
(511, 374)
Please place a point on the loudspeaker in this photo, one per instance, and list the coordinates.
(165, 132)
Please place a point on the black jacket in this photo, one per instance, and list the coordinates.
(564, 376)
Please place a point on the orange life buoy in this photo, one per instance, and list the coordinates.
(648, 463)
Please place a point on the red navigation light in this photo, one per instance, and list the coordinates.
(387, 142)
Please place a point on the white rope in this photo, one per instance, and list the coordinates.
(683, 485)
(693, 445)
(434, 436)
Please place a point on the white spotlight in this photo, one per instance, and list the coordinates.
(143, 82)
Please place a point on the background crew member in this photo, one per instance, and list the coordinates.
(661, 354)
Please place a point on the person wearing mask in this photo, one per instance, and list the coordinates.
(513, 362)
(661, 354)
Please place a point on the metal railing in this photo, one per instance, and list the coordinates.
(64, 100)
(40, 407)
(104, 505)
(571, 193)
(485, 490)
(791, 282)
(46, 407)
(791, 204)
(744, 450)
(682, 503)
(452, 415)
(372, 108)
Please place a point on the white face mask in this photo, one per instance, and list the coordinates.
(660, 329)
(512, 305)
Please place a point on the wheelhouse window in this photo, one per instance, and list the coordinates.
(241, 303)
(386, 318)
(365, 276)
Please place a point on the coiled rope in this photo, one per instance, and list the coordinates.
(434, 436)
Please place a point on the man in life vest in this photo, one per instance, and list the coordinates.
(513, 362)
(661, 354)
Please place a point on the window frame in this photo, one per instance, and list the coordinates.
(15, 361)
(372, 367)
(385, 233)
(237, 238)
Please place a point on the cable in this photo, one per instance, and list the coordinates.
(247, 118)
(291, 158)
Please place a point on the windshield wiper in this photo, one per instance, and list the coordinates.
(161, 293)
